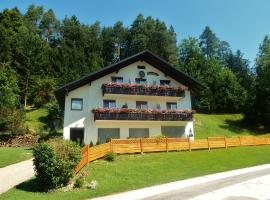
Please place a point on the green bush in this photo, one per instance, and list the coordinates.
(98, 142)
(79, 182)
(111, 156)
(55, 161)
(91, 143)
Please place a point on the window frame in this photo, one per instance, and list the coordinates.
(76, 99)
(115, 78)
(163, 82)
(171, 103)
(138, 81)
(109, 100)
(137, 102)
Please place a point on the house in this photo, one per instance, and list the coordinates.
(140, 96)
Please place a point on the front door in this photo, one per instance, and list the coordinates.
(77, 135)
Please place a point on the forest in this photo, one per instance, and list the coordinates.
(39, 53)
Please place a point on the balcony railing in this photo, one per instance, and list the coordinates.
(135, 114)
(137, 89)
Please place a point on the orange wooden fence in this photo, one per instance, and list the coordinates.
(141, 145)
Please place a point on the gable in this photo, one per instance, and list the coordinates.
(145, 57)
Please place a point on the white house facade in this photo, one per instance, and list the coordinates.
(141, 96)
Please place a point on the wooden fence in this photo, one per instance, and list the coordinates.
(141, 145)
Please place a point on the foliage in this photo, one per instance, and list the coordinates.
(55, 116)
(55, 162)
(79, 182)
(91, 143)
(262, 102)
(111, 156)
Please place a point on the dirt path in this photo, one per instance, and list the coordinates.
(15, 174)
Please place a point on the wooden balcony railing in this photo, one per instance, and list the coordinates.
(144, 116)
(148, 90)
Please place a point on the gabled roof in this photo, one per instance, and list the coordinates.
(146, 56)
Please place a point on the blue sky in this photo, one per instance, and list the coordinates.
(242, 23)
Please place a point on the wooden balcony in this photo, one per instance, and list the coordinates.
(147, 90)
(143, 116)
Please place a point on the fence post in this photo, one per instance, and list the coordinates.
(141, 145)
(189, 146)
(167, 144)
(208, 143)
(225, 140)
(265, 138)
(254, 141)
(240, 141)
(87, 153)
(111, 147)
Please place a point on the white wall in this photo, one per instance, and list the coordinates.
(93, 98)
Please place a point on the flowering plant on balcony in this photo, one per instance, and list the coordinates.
(136, 110)
(147, 86)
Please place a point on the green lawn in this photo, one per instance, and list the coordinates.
(11, 155)
(221, 124)
(136, 171)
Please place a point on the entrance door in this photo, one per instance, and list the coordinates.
(77, 135)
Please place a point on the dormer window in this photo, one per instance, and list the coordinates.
(165, 82)
(117, 79)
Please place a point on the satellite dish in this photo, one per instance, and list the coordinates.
(141, 74)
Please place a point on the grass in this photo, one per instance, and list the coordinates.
(221, 124)
(35, 118)
(11, 155)
(136, 171)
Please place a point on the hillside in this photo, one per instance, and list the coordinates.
(220, 124)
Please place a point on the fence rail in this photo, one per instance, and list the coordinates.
(141, 145)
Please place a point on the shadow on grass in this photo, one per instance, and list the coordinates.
(31, 186)
(242, 127)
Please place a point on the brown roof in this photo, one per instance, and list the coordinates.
(146, 56)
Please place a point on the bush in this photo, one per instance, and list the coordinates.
(98, 142)
(55, 161)
(79, 182)
(111, 156)
(91, 143)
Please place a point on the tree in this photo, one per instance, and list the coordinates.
(29, 59)
(262, 103)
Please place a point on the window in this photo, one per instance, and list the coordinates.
(107, 133)
(171, 106)
(117, 79)
(141, 104)
(173, 131)
(109, 104)
(138, 132)
(76, 104)
(165, 82)
(141, 81)
(141, 67)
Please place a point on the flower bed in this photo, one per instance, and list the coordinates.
(137, 89)
(142, 114)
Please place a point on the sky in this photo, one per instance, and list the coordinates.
(242, 23)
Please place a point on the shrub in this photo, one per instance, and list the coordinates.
(91, 144)
(111, 156)
(79, 182)
(55, 161)
(98, 142)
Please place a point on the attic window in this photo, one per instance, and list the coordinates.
(140, 67)
(141, 81)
